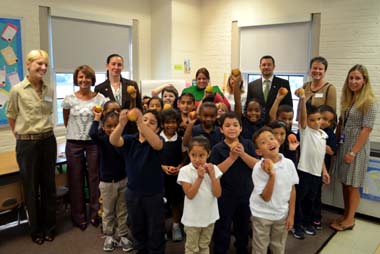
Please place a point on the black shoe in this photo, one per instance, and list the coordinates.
(50, 236)
(95, 222)
(38, 239)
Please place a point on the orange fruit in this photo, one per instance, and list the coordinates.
(283, 91)
(98, 108)
(132, 116)
(292, 138)
(131, 89)
(209, 89)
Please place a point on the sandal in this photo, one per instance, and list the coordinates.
(341, 227)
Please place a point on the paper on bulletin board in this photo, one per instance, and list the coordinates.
(2, 77)
(4, 95)
(9, 32)
(13, 78)
(178, 67)
(9, 55)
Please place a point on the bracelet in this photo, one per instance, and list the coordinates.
(352, 154)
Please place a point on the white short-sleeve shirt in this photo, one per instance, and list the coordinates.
(285, 178)
(81, 115)
(313, 150)
(202, 210)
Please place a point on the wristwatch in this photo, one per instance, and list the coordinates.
(352, 154)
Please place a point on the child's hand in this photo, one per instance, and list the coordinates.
(201, 171)
(293, 145)
(282, 92)
(325, 177)
(210, 170)
(300, 93)
(289, 223)
(97, 113)
(267, 166)
(123, 117)
(238, 149)
(173, 170)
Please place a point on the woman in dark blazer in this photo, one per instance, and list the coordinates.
(116, 88)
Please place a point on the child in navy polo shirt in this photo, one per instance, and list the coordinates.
(145, 186)
(172, 159)
(207, 127)
(113, 183)
(235, 157)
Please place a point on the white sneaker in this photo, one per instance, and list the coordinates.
(109, 244)
(126, 244)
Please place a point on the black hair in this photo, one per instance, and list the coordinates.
(267, 57)
(170, 114)
(258, 133)
(156, 115)
(284, 108)
(111, 114)
(188, 95)
(109, 59)
(253, 100)
(145, 97)
(208, 105)
(105, 106)
(327, 108)
(313, 110)
(156, 98)
(199, 141)
(319, 59)
(278, 124)
(230, 115)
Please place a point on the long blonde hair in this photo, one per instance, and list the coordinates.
(364, 99)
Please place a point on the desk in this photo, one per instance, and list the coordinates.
(9, 166)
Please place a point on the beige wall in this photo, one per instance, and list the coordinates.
(200, 30)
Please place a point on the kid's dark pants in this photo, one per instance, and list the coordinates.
(232, 211)
(306, 193)
(146, 215)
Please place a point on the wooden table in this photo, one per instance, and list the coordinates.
(9, 166)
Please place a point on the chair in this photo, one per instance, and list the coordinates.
(11, 197)
(61, 183)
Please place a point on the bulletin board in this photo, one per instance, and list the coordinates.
(11, 63)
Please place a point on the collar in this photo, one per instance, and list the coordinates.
(166, 139)
(270, 79)
(26, 83)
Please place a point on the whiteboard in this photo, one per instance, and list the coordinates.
(146, 86)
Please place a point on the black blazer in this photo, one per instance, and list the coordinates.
(255, 90)
(105, 89)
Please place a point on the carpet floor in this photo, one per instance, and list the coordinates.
(71, 240)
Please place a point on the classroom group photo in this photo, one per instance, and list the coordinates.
(237, 167)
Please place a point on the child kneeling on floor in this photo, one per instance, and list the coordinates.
(272, 201)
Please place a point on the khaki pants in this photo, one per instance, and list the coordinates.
(267, 233)
(198, 239)
(114, 208)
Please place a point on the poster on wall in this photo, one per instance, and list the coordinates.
(371, 188)
(11, 64)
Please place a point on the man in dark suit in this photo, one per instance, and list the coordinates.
(266, 88)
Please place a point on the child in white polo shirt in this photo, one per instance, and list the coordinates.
(272, 201)
(311, 166)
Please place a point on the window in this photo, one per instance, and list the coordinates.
(295, 81)
(75, 42)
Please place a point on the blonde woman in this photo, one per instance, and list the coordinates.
(234, 88)
(358, 113)
(29, 115)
